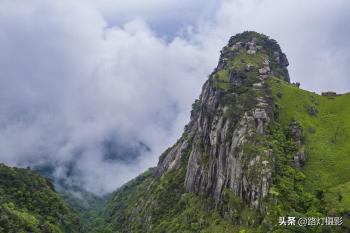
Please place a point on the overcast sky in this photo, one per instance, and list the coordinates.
(77, 74)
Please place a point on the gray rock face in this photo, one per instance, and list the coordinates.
(236, 47)
(281, 58)
(249, 67)
(264, 70)
(251, 47)
(313, 111)
(221, 140)
(172, 158)
(260, 117)
(258, 85)
(297, 135)
(220, 147)
(299, 159)
(235, 79)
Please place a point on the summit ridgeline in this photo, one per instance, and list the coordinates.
(255, 55)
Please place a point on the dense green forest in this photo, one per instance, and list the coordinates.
(29, 203)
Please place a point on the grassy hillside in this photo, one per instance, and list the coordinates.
(326, 125)
(28, 203)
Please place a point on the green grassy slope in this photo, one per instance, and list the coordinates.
(327, 138)
(28, 203)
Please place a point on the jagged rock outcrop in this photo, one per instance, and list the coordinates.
(298, 136)
(223, 154)
(313, 111)
(300, 159)
(171, 159)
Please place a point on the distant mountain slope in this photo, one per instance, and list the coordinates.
(29, 203)
(326, 124)
(257, 148)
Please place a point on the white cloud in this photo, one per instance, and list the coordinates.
(75, 74)
(69, 83)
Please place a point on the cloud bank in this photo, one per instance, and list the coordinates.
(77, 76)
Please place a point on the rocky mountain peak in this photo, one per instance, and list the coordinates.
(222, 145)
(253, 51)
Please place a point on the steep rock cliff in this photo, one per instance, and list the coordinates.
(233, 109)
(240, 162)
